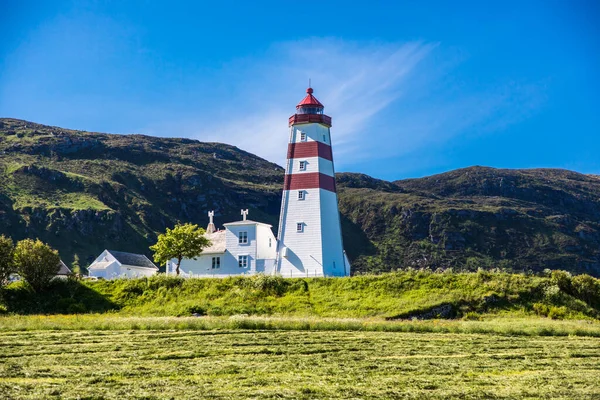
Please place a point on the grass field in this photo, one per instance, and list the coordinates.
(506, 336)
(157, 358)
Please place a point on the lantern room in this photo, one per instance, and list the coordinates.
(310, 110)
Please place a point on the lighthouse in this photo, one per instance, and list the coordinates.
(310, 234)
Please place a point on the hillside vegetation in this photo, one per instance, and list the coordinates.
(83, 192)
(478, 217)
(398, 295)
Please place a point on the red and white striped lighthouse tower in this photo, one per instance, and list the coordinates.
(310, 234)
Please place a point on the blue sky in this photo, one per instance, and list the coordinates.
(414, 88)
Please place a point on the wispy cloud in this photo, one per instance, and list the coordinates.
(354, 81)
(385, 99)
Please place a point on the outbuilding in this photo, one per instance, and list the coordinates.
(119, 264)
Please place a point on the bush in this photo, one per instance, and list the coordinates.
(36, 262)
(7, 266)
(587, 288)
(557, 312)
(541, 309)
(76, 308)
(562, 279)
(472, 316)
(195, 309)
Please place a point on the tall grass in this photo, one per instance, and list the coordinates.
(398, 295)
(499, 326)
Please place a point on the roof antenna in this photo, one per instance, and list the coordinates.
(309, 82)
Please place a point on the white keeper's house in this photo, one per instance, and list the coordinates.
(309, 241)
(243, 247)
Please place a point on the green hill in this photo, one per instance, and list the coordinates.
(396, 295)
(83, 192)
(478, 217)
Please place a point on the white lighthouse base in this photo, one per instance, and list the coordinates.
(316, 250)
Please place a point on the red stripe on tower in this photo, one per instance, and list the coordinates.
(309, 180)
(309, 149)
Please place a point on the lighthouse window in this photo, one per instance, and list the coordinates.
(302, 137)
(300, 227)
(302, 165)
(243, 238)
(301, 195)
(216, 262)
(269, 242)
(243, 261)
(324, 139)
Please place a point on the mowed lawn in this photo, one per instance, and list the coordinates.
(230, 364)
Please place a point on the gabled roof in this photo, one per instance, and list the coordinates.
(64, 270)
(135, 260)
(309, 100)
(247, 222)
(100, 265)
(217, 240)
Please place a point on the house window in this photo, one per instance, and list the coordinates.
(302, 165)
(324, 139)
(269, 242)
(243, 238)
(302, 137)
(243, 261)
(300, 194)
(216, 262)
(300, 227)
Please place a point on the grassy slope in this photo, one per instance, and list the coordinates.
(229, 364)
(83, 192)
(397, 295)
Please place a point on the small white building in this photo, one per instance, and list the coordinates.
(118, 264)
(243, 248)
(64, 271)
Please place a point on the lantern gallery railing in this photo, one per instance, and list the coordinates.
(310, 118)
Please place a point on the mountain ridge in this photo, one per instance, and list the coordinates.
(86, 191)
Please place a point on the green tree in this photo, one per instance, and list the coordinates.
(183, 241)
(75, 267)
(7, 265)
(36, 262)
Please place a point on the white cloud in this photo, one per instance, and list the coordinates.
(386, 100)
(353, 81)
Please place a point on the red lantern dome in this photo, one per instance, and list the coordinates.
(310, 110)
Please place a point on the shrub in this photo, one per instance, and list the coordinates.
(64, 303)
(552, 292)
(7, 266)
(562, 279)
(557, 312)
(76, 308)
(195, 309)
(472, 316)
(541, 309)
(587, 288)
(36, 262)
